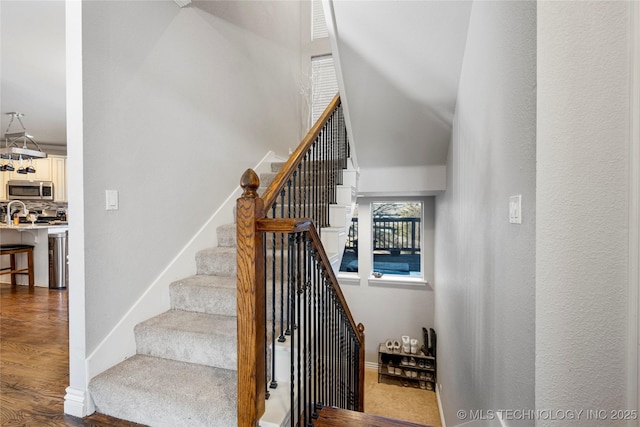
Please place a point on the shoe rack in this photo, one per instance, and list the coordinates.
(413, 368)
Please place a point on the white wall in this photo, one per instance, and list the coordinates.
(485, 266)
(177, 104)
(389, 310)
(582, 206)
(402, 180)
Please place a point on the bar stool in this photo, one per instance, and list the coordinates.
(12, 250)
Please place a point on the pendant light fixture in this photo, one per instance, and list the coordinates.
(19, 146)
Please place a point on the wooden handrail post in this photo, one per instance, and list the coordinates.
(250, 303)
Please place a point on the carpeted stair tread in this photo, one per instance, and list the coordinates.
(205, 294)
(226, 235)
(218, 261)
(167, 393)
(208, 339)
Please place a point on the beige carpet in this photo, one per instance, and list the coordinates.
(395, 401)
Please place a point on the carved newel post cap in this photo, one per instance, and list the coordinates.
(250, 183)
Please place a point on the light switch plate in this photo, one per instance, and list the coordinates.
(515, 209)
(112, 200)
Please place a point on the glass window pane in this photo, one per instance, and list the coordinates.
(397, 235)
(318, 23)
(324, 84)
(350, 255)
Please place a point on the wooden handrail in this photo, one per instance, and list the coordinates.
(252, 224)
(271, 194)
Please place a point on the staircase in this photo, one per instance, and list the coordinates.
(184, 372)
(204, 362)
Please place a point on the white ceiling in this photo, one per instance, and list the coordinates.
(401, 63)
(32, 79)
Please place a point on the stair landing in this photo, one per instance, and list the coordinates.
(336, 417)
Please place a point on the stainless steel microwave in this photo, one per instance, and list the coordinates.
(30, 190)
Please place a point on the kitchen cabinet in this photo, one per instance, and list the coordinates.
(59, 178)
(42, 166)
(53, 168)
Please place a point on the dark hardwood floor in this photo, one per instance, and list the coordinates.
(334, 417)
(34, 366)
(34, 360)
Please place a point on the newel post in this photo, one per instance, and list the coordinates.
(250, 304)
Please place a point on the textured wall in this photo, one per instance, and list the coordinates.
(177, 104)
(484, 266)
(582, 194)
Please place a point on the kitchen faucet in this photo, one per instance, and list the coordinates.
(24, 208)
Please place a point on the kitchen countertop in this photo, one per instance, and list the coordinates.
(29, 226)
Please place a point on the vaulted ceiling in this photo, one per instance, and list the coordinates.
(400, 63)
(32, 69)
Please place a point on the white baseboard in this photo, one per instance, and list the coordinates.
(76, 403)
(120, 344)
(371, 365)
(442, 421)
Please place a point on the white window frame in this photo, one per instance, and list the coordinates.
(365, 249)
(394, 279)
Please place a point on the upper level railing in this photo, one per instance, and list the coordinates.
(287, 290)
(392, 234)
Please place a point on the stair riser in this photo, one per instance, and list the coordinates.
(204, 300)
(226, 236)
(216, 265)
(164, 393)
(204, 349)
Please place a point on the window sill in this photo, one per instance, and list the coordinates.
(404, 282)
(348, 279)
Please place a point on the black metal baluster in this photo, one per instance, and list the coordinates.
(266, 338)
(290, 292)
(289, 278)
(288, 198)
(325, 185)
(307, 329)
(299, 284)
(281, 338)
(305, 185)
(332, 346)
(323, 334)
(332, 144)
(274, 383)
(315, 328)
(293, 196)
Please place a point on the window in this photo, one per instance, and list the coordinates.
(349, 262)
(318, 23)
(396, 238)
(324, 84)
(386, 239)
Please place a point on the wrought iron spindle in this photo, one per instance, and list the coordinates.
(325, 345)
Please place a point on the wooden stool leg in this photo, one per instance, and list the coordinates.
(12, 258)
(30, 266)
